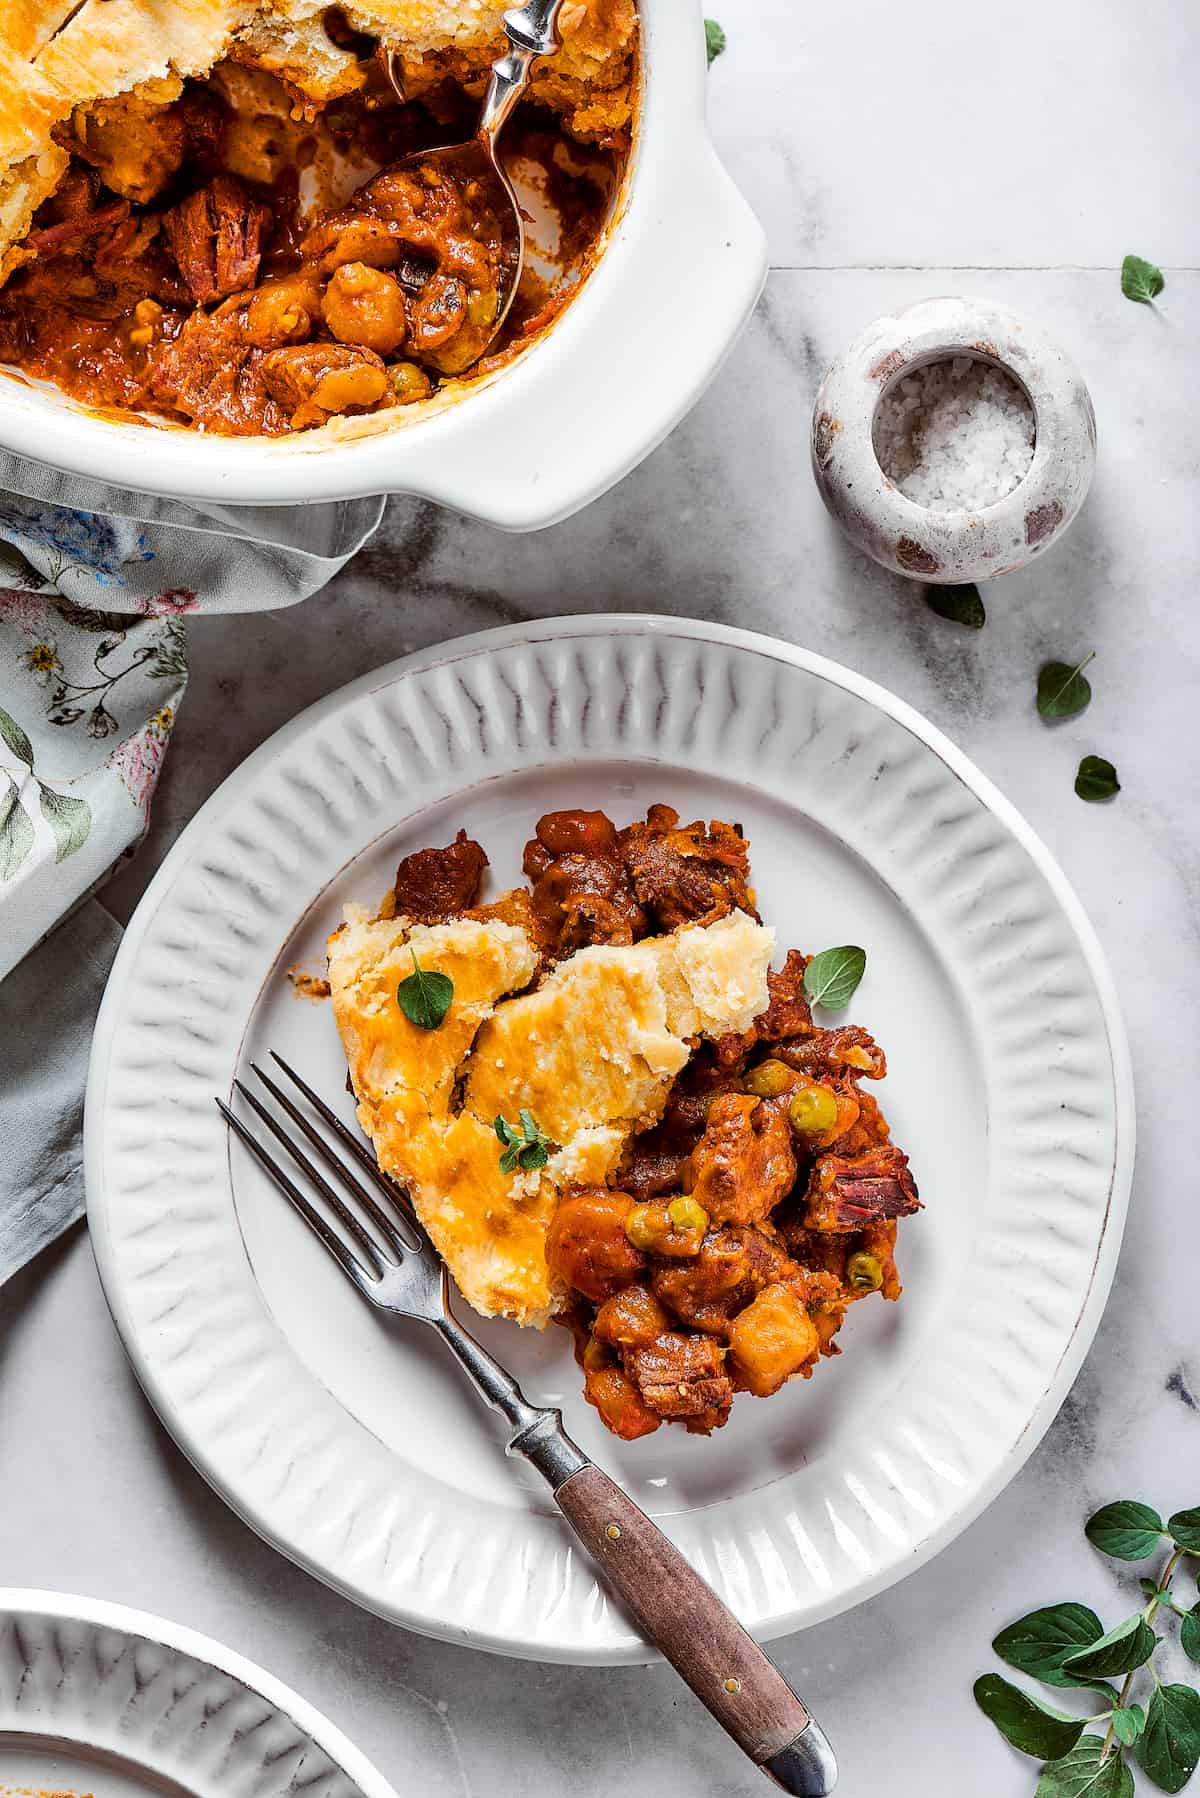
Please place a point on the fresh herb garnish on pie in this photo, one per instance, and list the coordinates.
(526, 1144)
(425, 997)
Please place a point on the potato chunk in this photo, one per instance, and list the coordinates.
(772, 1339)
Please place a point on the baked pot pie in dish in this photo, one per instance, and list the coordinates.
(631, 209)
(211, 213)
(611, 1112)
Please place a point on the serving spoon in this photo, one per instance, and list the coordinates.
(532, 32)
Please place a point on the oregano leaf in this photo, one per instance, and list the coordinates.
(1126, 1530)
(1031, 1726)
(1063, 691)
(831, 978)
(1169, 1747)
(1122, 1649)
(1141, 280)
(1039, 1643)
(1128, 1722)
(425, 996)
(1184, 1529)
(1189, 1634)
(1096, 779)
(714, 40)
(1086, 1772)
(960, 604)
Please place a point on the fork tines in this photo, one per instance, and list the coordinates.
(394, 1232)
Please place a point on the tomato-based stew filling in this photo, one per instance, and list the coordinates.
(236, 263)
(730, 1240)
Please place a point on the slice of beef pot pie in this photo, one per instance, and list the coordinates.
(199, 217)
(610, 1111)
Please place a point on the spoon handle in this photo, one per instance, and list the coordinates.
(532, 32)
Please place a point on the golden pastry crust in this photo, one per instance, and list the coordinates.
(591, 1053)
(54, 59)
(367, 962)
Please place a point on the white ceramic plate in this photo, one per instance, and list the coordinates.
(98, 1698)
(353, 1445)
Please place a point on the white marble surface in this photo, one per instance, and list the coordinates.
(1019, 154)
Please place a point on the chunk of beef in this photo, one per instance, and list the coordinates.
(435, 884)
(846, 1193)
(696, 873)
(207, 372)
(733, 1265)
(867, 1130)
(683, 1376)
(787, 1015)
(581, 892)
(569, 833)
(744, 1163)
(656, 1160)
(74, 229)
(848, 1049)
(318, 381)
(205, 118)
(216, 237)
(652, 1165)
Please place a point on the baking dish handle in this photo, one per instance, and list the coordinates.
(681, 275)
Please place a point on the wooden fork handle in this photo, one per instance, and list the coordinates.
(675, 1609)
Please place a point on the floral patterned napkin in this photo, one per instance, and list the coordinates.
(93, 668)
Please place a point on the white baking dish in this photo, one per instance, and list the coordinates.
(682, 270)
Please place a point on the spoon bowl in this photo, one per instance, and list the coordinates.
(474, 169)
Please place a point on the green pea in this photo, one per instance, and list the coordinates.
(687, 1214)
(482, 306)
(408, 383)
(812, 1110)
(864, 1273)
(768, 1079)
(645, 1227)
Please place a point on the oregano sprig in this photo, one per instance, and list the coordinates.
(1066, 1645)
(526, 1144)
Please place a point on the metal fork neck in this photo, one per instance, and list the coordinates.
(537, 1432)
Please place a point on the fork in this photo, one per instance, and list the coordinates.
(385, 1251)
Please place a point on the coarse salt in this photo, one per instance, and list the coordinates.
(955, 435)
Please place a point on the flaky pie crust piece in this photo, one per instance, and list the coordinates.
(591, 1053)
(56, 55)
